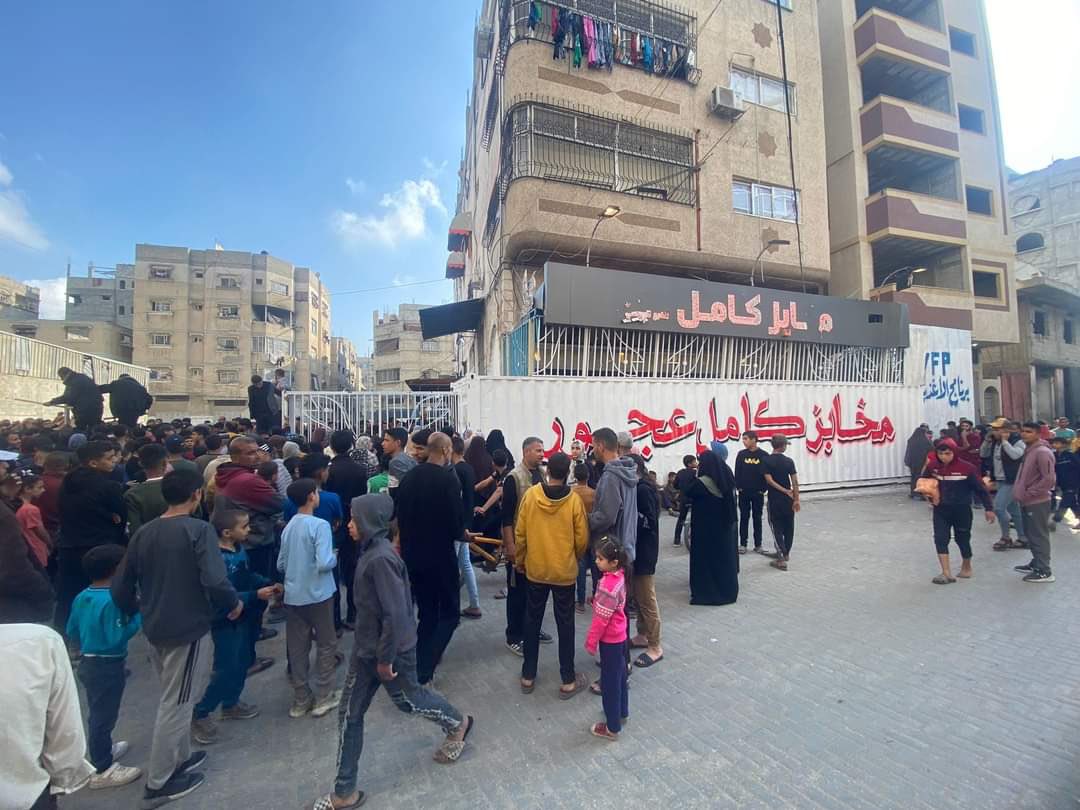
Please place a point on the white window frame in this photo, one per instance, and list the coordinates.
(228, 283)
(230, 374)
(161, 306)
(756, 195)
(229, 312)
(740, 78)
(160, 339)
(429, 345)
(279, 288)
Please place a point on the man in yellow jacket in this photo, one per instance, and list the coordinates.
(552, 533)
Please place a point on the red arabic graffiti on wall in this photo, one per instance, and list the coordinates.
(828, 428)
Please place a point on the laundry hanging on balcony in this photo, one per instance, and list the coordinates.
(601, 44)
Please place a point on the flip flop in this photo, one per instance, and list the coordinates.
(941, 579)
(580, 683)
(645, 661)
(501, 594)
(327, 803)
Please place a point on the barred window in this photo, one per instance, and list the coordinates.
(575, 147)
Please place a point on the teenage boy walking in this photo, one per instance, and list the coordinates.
(174, 575)
(1034, 484)
(783, 484)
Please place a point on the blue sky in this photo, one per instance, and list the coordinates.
(329, 138)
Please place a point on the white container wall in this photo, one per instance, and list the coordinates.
(939, 362)
(841, 433)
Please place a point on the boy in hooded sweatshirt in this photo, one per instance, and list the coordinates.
(552, 533)
(384, 651)
(958, 484)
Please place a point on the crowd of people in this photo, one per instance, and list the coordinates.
(204, 536)
(1025, 475)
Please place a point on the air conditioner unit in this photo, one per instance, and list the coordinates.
(484, 41)
(726, 103)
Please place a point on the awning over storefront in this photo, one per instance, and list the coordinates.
(449, 319)
(455, 265)
(460, 231)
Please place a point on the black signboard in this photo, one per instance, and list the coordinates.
(601, 297)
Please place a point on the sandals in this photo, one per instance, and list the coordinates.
(941, 579)
(327, 803)
(601, 730)
(1003, 544)
(594, 687)
(527, 688)
(450, 751)
(644, 660)
(580, 683)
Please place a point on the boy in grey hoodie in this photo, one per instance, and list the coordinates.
(615, 508)
(384, 652)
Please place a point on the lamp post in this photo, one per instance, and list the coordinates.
(610, 212)
(769, 244)
(909, 269)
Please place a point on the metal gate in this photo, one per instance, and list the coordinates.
(369, 413)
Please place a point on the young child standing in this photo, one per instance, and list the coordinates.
(958, 483)
(102, 632)
(307, 560)
(232, 648)
(30, 521)
(608, 634)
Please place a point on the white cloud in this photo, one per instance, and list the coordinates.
(433, 170)
(404, 218)
(356, 186)
(53, 297)
(15, 222)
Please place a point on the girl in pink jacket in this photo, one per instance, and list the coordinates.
(608, 633)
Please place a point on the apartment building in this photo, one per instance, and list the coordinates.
(365, 372)
(346, 365)
(206, 320)
(104, 294)
(916, 174)
(99, 338)
(672, 146)
(1041, 374)
(403, 359)
(18, 301)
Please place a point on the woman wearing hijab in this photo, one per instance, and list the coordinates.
(478, 457)
(495, 441)
(918, 448)
(714, 555)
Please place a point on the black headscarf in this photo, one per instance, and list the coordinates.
(918, 446)
(495, 441)
(709, 464)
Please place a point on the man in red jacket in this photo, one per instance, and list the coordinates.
(1034, 485)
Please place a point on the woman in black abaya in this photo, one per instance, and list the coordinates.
(714, 555)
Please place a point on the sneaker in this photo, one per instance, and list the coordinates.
(204, 730)
(241, 711)
(119, 748)
(516, 647)
(545, 638)
(327, 704)
(196, 759)
(114, 776)
(742, 549)
(301, 707)
(177, 787)
(1040, 576)
(1023, 569)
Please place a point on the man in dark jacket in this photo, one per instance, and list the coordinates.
(174, 575)
(92, 513)
(683, 479)
(385, 650)
(1067, 471)
(128, 400)
(431, 520)
(260, 393)
(25, 592)
(238, 487)
(347, 480)
(82, 396)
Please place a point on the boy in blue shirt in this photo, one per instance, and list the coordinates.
(307, 560)
(232, 647)
(102, 633)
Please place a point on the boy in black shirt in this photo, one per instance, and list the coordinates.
(750, 481)
(684, 478)
(783, 486)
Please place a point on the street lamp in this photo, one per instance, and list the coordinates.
(909, 269)
(610, 212)
(769, 244)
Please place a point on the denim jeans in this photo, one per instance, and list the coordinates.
(230, 668)
(1004, 506)
(468, 575)
(103, 679)
(361, 684)
(584, 564)
(613, 684)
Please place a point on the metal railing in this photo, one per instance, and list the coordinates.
(369, 412)
(26, 357)
(582, 351)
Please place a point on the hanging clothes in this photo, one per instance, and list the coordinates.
(534, 15)
(647, 54)
(589, 41)
(564, 35)
(609, 45)
(578, 28)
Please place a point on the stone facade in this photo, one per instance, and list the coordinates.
(401, 354)
(18, 301)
